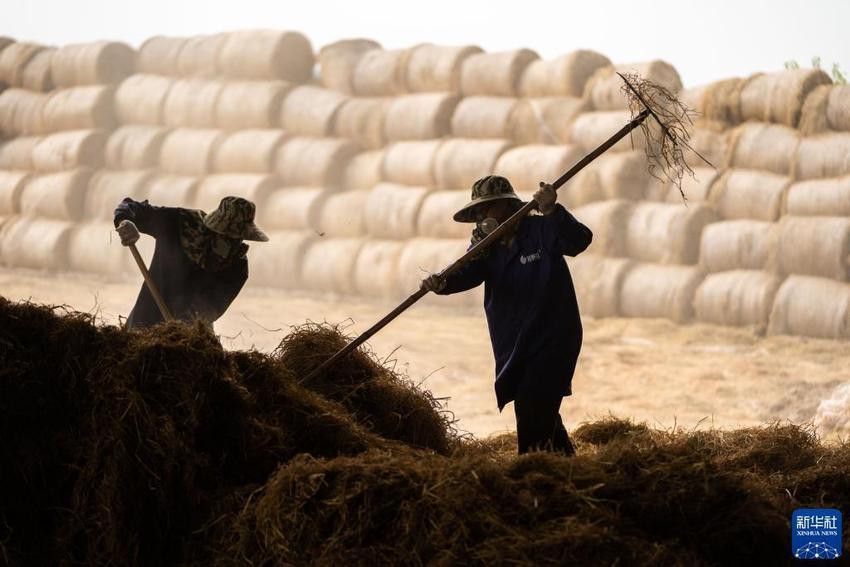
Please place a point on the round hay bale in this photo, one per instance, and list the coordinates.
(160, 55)
(608, 220)
(421, 257)
(391, 210)
(604, 88)
(172, 191)
(778, 97)
(545, 120)
(838, 108)
(96, 247)
(314, 162)
(598, 282)
(37, 75)
(310, 111)
(652, 290)
(819, 197)
(527, 166)
(140, 99)
(267, 54)
(621, 175)
(189, 152)
(813, 114)
(248, 151)
(421, 116)
(708, 140)
(251, 186)
(436, 68)
(67, 150)
(822, 156)
(833, 413)
(17, 152)
(814, 246)
(484, 117)
(718, 101)
(767, 147)
(591, 129)
(80, 108)
(57, 196)
(460, 162)
(435, 215)
(328, 265)
(14, 59)
(747, 194)
(293, 208)
(108, 188)
(737, 298)
(666, 233)
(495, 73)
(199, 56)
(277, 263)
(22, 113)
(338, 60)
(363, 171)
(411, 163)
(381, 72)
(250, 104)
(697, 188)
(11, 186)
(563, 76)
(739, 245)
(40, 244)
(362, 121)
(192, 103)
(341, 215)
(135, 147)
(98, 63)
(812, 307)
(376, 268)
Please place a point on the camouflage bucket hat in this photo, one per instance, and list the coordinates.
(234, 218)
(486, 189)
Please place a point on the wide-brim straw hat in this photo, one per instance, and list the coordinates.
(234, 218)
(486, 189)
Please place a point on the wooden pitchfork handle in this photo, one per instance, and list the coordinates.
(157, 297)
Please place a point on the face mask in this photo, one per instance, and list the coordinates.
(488, 225)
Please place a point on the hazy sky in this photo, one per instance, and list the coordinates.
(703, 40)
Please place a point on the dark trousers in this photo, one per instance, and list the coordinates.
(539, 425)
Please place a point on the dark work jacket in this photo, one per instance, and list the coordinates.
(531, 306)
(189, 291)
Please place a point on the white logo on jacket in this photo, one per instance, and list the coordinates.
(530, 258)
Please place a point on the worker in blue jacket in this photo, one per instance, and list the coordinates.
(530, 303)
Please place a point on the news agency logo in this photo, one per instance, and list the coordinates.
(816, 533)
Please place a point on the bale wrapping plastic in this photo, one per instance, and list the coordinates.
(199, 56)
(98, 63)
(376, 268)
(666, 233)
(172, 191)
(598, 282)
(107, 188)
(68, 150)
(140, 99)
(815, 246)
(40, 244)
(341, 215)
(495, 73)
(812, 307)
(277, 263)
(604, 88)
(310, 111)
(484, 117)
(338, 60)
(363, 171)
(192, 103)
(739, 245)
(57, 196)
(546, 120)
(80, 108)
(135, 147)
(819, 197)
(435, 215)
(189, 152)
(749, 194)
(766, 147)
(362, 121)
(96, 247)
(622, 175)
(381, 72)
(436, 68)
(822, 156)
(314, 162)
(460, 162)
(17, 152)
(608, 220)
(250, 104)
(736, 298)
(160, 55)
(22, 113)
(248, 151)
(563, 76)
(254, 187)
(778, 97)
(267, 54)
(292, 208)
(420, 116)
(411, 163)
(328, 265)
(11, 186)
(652, 290)
(526, 166)
(391, 211)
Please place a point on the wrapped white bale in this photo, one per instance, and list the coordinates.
(98, 63)
(248, 151)
(328, 265)
(546, 120)
(815, 246)
(697, 187)
(11, 186)
(460, 161)
(563, 76)
(135, 147)
(107, 188)
(484, 117)
(376, 268)
(80, 108)
(16, 153)
(421, 257)
(391, 210)
(277, 263)
(363, 171)
(292, 208)
(739, 245)
(22, 113)
(310, 111)
(338, 60)
(768, 147)
(37, 75)
(362, 120)
(254, 187)
(838, 108)
(833, 413)
(812, 307)
(35, 243)
(656, 291)
(314, 162)
(822, 156)
(435, 215)
(199, 56)
(710, 142)
(819, 197)
(381, 72)
(67, 150)
(188, 151)
(778, 97)
(140, 99)
(495, 73)
(341, 215)
(56, 195)
(411, 163)
(598, 282)
(421, 116)
(267, 54)
(160, 55)
(436, 68)
(14, 59)
(526, 166)
(250, 104)
(608, 220)
(748, 194)
(96, 247)
(172, 191)
(622, 175)
(590, 129)
(192, 103)
(666, 233)
(604, 88)
(736, 298)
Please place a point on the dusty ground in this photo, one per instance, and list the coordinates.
(696, 375)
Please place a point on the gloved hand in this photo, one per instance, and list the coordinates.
(545, 197)
(128, 232)
(433, 283)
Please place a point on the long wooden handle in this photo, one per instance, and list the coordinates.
(157, 297)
